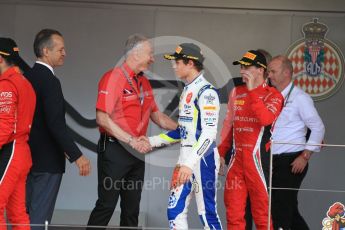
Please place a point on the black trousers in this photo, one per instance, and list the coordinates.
(285, 212)
(120, 173)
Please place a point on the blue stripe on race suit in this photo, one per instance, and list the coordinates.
(209, 180)
(198, 124)
(198, 128)
(174, 134)
(174, 210)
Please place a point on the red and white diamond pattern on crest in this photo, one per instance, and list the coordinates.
(331, 75)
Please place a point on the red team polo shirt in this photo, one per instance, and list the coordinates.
(129, 107)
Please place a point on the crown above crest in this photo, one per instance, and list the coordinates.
(314, 30)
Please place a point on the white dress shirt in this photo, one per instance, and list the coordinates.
(291, 126)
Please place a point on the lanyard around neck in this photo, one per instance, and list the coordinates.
(288, 95)
(130, 82)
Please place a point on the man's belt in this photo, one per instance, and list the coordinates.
(106, 137)
(290, 154)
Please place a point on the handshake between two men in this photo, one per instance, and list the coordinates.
(141, 144)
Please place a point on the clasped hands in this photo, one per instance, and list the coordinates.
(141, 144)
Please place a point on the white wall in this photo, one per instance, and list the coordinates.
(95, 36)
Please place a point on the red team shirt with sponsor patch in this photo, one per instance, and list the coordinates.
(128, 106)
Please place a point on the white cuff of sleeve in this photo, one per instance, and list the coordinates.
(313, 148)
(155, 141)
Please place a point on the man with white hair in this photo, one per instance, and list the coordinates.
(124, 106)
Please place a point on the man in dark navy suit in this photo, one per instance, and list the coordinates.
(49, 141)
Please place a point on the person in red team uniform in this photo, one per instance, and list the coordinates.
(125, 104)
(252, 108)
(17, 105)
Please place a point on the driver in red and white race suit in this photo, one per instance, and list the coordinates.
(17, 106)
(197, 131)
(252, 108)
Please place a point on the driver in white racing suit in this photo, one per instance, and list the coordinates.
(198, 164)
